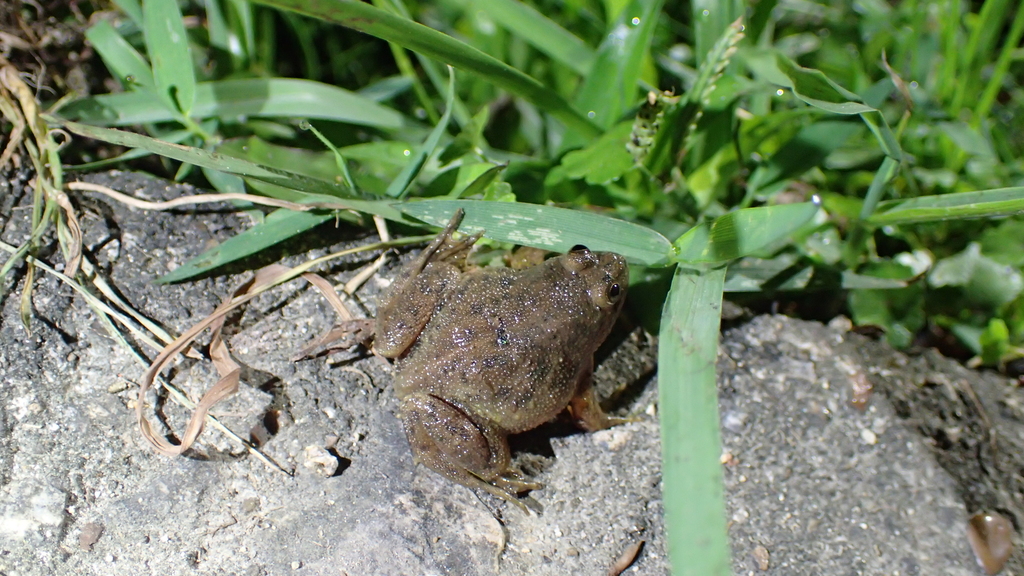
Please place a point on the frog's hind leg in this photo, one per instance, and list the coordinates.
(467, 451)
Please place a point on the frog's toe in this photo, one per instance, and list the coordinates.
(514, 483)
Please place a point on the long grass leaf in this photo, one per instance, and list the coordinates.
(399, 187)
(543, 33)
(960, 205)
(429, 42)
(548, 227)
(691, 444)
(167, 46)
(123, 61)
(611, 87)
(253, 97)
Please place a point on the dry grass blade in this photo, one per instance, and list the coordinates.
(187, 200)
(228, 369)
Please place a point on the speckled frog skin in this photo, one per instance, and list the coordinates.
(486, 352)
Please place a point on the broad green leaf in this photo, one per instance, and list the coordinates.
(123, 61)
(691, 444)
(983, 281)
(547, 227)
(899, 311)
(742, 232)
(604, 160)
(167, 46)
(439, 46)
(610, 89)
(279, 225)
(259, 97)
(399, 187)
(537, 29)
(957, 206)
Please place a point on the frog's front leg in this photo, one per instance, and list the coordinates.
(585, 408)
(461, 447)
(418, 289)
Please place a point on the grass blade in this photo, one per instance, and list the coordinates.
(253, 97)
(399, 187)
(691, 444)
(167, 46)
(429, 42)
(981, 204)
(611, 87)
(278, 226)
(742, 232)
(123, 61)
(544, 34)
(548, 227)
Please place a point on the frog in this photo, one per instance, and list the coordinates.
(482, 353)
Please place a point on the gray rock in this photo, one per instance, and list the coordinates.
(816, 484)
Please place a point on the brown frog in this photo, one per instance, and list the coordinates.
(487, 352)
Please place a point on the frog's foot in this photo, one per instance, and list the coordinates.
(341, 336)
(587, 413)
(462, 448)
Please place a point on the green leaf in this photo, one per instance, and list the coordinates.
(279, 225)
(995, 342)
(899, 311)
(698, 543)
(957, 206)
(131, 8)
(816, 89)
(256, 97)
(983, 281)
(167, 46)
(537, 29)
(431, 43)
(604, 160)
(742, 232)
(399, 187)
(123, 61)
(549, 228)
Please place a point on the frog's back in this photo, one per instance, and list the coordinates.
(507, 345)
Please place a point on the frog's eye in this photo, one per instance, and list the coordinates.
(579, 248)
(614, 291)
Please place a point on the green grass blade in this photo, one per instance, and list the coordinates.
(691, 444)
(961, 205)
(742, 232)
(206, 159)
(278, 226)
(123, 61)
(399, 187)
(711, 18)
(544, 34)
(611, 88)
(167, 46)
(429, 42)
(132, 8)
(548, 227)
(253, 97)
(885, 173)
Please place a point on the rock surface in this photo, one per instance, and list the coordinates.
(815, 485)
